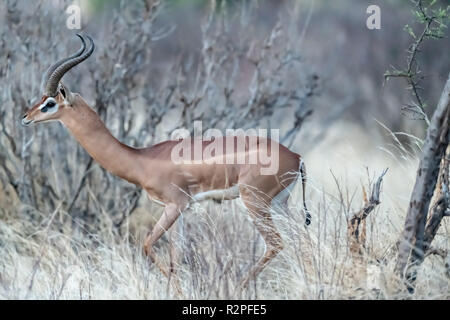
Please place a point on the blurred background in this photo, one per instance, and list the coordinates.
(309, 68)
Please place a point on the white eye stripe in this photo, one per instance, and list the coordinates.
(47, 101)
(49, 109)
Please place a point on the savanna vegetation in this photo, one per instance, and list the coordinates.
(365, 108)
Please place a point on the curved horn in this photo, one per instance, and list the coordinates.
(51, 85)
(53, 67)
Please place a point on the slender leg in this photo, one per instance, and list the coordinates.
(170, 214)
(174, 237)
(274, 243)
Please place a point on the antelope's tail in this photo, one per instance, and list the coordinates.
(302, 170)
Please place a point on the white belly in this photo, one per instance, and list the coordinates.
(219, 194)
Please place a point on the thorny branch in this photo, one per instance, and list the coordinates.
(434, 23)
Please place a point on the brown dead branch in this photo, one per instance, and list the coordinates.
(439, 209)
(439, 252)
(356, 224)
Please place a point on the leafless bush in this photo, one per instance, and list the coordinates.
(66, 224)
(238, 79)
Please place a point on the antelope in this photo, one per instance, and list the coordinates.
(174, 185)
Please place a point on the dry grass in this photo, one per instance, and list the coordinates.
(243, 68)
(56, 260)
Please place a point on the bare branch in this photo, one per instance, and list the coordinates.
(358, 237)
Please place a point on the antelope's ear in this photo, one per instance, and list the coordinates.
(65, 94)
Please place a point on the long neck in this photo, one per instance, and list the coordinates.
(116, 157)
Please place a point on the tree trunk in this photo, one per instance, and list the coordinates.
(433, 151)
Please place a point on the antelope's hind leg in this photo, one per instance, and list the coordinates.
(260, 214)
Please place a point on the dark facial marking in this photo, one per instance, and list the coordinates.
(49, 105)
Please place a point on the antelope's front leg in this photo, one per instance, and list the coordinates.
(170, 214)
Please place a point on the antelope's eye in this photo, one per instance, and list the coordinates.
(48, 105)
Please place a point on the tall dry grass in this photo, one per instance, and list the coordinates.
(144, 84)
(53, 260)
